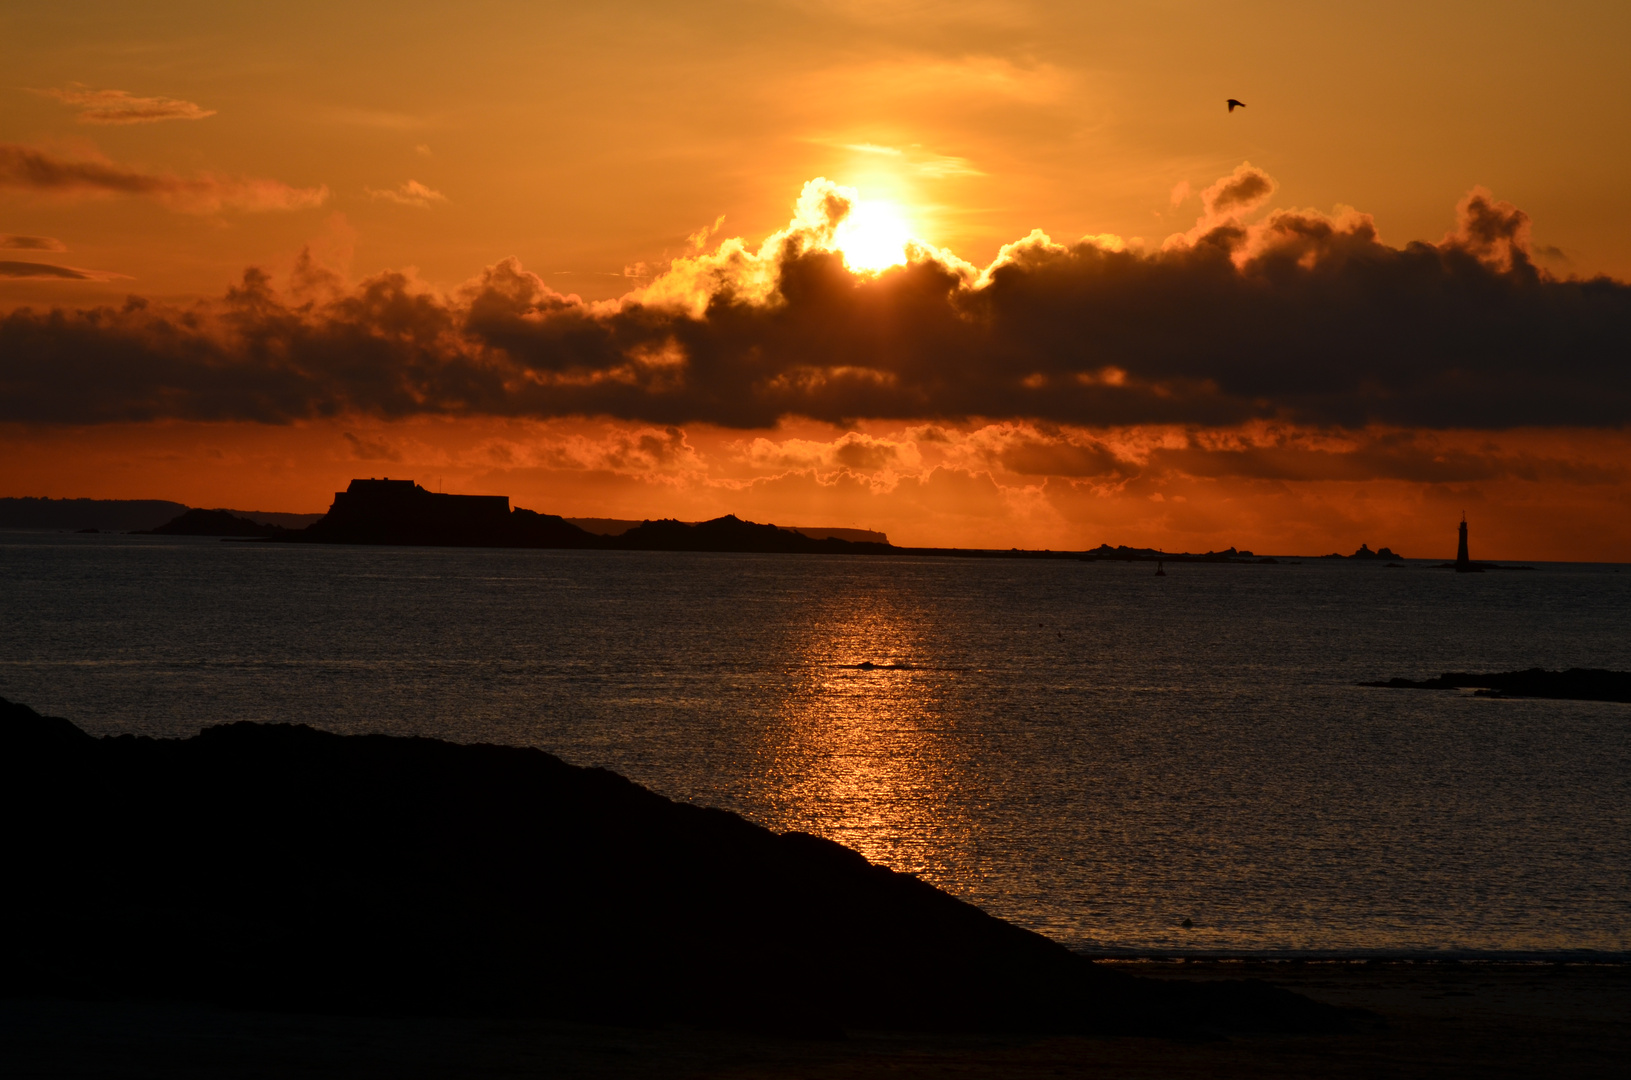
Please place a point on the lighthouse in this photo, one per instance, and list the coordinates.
(1463, 564)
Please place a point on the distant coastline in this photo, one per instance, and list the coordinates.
(120, 515)
(402, 513)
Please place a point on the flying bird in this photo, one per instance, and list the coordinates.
(1233, 104)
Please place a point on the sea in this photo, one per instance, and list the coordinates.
(1133, 765)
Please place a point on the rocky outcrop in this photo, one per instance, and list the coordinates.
(1123, 553)
(215, 523)
(1365, 553)
(1575, 684)
(731, 533)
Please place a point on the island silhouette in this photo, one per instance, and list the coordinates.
(401, 512)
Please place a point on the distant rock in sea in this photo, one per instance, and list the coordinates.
(1123, 553)
(731, 533)
(619, 526)
(279, 867)
(1575, 684)
(214, 523)
(1365, 553)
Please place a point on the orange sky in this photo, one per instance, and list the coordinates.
(161, 151)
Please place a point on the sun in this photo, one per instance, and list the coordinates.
(873, 236)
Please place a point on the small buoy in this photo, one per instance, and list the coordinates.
(1187, 925)
(1160, 569)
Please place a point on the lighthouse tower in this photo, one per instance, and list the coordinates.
(1463, 564)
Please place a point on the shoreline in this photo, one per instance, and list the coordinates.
(1274, 960)
(1417, 1021)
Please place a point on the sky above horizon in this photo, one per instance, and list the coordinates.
(977, 274)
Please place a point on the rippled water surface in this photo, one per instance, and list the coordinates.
(1086, 749)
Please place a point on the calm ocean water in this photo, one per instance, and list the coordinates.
(1086, 749)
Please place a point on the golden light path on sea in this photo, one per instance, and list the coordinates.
(865, 755)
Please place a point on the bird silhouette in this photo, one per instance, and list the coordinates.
(1233, 104)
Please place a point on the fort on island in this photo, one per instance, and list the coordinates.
(390, 511)
(406, 503)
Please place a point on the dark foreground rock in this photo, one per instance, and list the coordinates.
(1575, 684)
(285, 868)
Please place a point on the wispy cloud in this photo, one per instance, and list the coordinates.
(123, 107)
(23, 168)
(939, 166)
(412, 193)
(874, 148)
(383, 119)
(699, 239)
(13, 242)
(915, 159)
(49, 272)
(365, 449)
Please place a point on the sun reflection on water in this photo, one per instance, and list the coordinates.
(861, 749)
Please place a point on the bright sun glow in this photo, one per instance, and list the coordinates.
(873, 237)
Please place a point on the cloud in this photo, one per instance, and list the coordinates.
(699, 239)
(23, 168)
(371, 449)
(1417, 457)
(1300, 318)
(940, 166)
(383, 119)
(41, 270)
(1241, 192)
(49, 272)
(412, 193)
(854, 451)
(121, 107)
(12, 242)
(934, 166)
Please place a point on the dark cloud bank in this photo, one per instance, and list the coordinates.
(1299, 317)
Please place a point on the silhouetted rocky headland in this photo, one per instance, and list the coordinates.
(123, 515)
(103, 515)
(1575, 684)
(281, 867)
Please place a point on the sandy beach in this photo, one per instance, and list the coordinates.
(1426, 1020)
